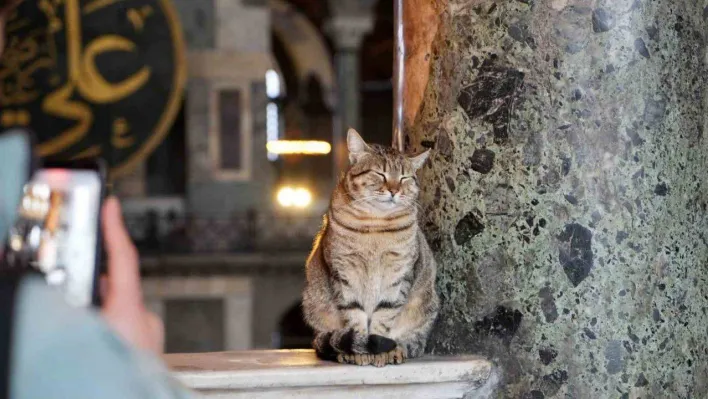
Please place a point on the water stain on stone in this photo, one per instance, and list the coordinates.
(575, 252)
(467, 228)
(503, 323)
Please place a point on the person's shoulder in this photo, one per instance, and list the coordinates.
(62, 351)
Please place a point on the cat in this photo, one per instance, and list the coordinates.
(370, 292)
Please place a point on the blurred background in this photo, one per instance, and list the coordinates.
(223, 225)
(223, 122)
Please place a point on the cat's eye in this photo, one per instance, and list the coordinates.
(404, 178)
(383, 176)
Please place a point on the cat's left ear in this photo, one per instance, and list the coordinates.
(356, 145)
(419, 160)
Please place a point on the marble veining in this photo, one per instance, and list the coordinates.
(566, 198)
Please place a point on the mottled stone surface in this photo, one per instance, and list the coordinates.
(566, 200)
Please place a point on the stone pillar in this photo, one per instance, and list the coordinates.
(229, 51)
(347, 31)
(566, 200)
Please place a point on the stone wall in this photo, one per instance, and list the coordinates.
(229, 49)
(566, 200)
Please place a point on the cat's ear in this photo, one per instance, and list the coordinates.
(356, 145)
(419, 160)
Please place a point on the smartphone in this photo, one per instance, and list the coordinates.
(58, 229)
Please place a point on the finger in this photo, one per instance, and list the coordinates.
(123, 265)
(103, 287)
(156, 331)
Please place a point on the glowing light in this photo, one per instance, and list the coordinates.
(302, 198)
(285, 197)
(299, 147)
(273, 92)
(292, 197)
(272, 127)
(272, 84)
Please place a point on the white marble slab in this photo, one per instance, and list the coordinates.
(299, 374)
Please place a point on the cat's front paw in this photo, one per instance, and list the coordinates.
(360, 359)
(396, 356)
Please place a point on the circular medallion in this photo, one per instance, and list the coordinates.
(93, 78)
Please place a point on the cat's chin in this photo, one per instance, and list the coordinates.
(389, 206)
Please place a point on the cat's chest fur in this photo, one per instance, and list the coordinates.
(373, 266)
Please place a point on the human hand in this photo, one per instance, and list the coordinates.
(123, 306)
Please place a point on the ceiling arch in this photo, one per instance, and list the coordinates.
(305, 46)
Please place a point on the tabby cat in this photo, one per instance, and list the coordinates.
(370, 293)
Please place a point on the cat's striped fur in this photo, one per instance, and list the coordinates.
(370, 294)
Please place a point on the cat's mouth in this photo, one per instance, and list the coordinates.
(390, 201)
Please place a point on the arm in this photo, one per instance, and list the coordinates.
(64, 352)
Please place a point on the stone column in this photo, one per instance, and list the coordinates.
(566, 198)
(347, 31)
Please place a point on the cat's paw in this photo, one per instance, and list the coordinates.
(379, 344)
(360, 359)
(396, 356)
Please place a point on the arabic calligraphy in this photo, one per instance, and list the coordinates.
(77, 74)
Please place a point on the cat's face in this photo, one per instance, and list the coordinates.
(381, 178)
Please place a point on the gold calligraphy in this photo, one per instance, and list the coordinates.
(137, 17)
(85, 77)
(53, 69)
(121, 134)
(15, 118)
(93, 86)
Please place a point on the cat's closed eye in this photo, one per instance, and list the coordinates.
(381, 175)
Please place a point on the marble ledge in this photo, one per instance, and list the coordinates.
(299, 374)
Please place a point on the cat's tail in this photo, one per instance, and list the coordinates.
(328, 345)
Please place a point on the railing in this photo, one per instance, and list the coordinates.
(249, 232)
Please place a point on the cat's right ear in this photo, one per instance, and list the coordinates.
(356, 145)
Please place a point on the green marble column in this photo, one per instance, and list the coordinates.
(566, 200)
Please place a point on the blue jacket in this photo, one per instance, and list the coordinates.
(57, 351)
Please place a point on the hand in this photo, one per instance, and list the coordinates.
(123, 305)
